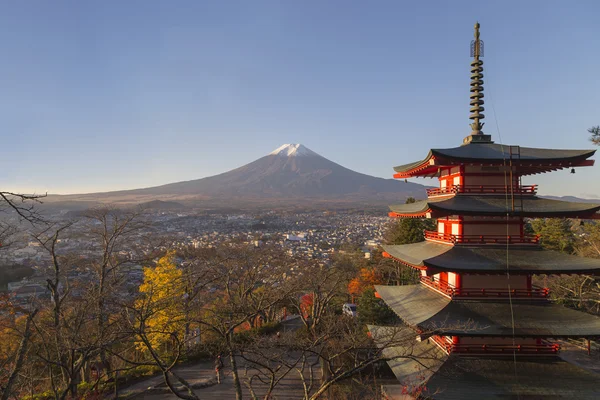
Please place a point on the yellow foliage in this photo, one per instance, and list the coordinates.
(161, 302)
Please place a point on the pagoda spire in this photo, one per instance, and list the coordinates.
(476, 96)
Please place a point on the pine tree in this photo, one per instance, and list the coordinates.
(557, 233)
(408, 230)
(372, 310)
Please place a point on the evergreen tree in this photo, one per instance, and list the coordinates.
(372, 310)
(408, 230)
(557, 233)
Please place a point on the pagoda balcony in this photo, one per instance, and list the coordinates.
(482, 189)
(451, 238)
(452, 292)
(543, 348)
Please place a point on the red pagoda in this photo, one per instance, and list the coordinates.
(483, 331)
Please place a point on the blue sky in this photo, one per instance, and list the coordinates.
(110, 95)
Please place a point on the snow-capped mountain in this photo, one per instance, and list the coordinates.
(293, 150)
(291, 171)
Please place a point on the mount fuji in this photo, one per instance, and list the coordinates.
(292, 173)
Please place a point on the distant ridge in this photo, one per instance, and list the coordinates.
(291, 173)
(161, 205)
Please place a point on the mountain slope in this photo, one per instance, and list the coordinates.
(290, 172)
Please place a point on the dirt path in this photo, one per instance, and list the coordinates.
(154, 388)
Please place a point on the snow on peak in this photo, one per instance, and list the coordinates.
(289, 150)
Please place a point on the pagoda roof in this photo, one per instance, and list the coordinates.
(529, 160)
(490, 259)
(466, 378)
(455, 377)
(430, 311)
(411, 361)
(494, 205)
(502, 378)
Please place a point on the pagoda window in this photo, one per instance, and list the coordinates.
(452, 279)
(456, 228)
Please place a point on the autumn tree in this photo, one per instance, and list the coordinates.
(63, 340)
(15, 336)
(248, 284)
(325, 285)
(157, 323)
(115, 237)
(78, 326)
(366, 279)
(162, 294)
(18, 208)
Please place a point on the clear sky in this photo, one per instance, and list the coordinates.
(103, 95)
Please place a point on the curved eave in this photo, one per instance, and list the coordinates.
(495, 378)
(496, 152)
(531, 161)
(425, 171)
(409, 360)
(418, 209)
(433, 313)
(527, 206)
(423, 364)
(385, 254)
(530, 206)
(408, 170)
(424, 214)
(486, 259)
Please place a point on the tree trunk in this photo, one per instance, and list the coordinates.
(20, 356)
(236, 377)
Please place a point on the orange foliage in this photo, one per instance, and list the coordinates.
(367, 277)
(306, 303)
